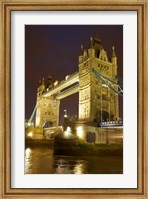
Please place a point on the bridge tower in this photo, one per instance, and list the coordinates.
(97, 102)
(47, 111)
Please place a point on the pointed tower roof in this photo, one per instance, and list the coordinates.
(97, 43)
(82, 49)
(97, 38)
(113, 52)
(91, 42)
(43, 81)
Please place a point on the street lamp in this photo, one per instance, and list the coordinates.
(65, 113)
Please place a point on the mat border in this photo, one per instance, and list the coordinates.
(10, 5)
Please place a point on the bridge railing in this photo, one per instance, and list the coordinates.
(111, 123)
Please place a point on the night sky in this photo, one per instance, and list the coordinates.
(54, 50)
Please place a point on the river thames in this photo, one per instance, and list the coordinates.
(40, 160)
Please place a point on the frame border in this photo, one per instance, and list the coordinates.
(5, 98)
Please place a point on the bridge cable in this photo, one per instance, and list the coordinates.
(32, 115)
(119, 85)
(103, 81)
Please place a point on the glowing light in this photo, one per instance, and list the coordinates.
(27, 152)
(104, 85)
(67, 77)
(30, 134)
(78, 169)
(67, 133)
(80, 132)
(55, 83)
(65, 113)
(29, 123)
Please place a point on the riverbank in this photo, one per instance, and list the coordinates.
(73, 148)
(37, 142)
(84, 149)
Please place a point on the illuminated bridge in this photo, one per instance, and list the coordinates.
(97, 83)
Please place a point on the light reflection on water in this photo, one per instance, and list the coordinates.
(28, 159)
(79, 169)
(69, 166)
(40, 160)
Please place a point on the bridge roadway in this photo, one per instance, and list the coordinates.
(72, 79)
(67, 92)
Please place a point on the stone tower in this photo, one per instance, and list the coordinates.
(96, 101)
(47, 111)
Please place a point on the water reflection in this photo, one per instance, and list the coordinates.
(69, 166)
(40, 160)
(27, 159)
(27, 153)
(79, 168)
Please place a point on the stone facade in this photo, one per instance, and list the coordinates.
(47, 109)
(102, 135)
(96, 101)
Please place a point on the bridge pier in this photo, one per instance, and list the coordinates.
(108, 135)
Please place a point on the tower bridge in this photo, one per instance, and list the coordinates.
(97, 83)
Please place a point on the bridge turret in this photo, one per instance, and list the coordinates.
(82, 49)
(97, 46)
(81, 56)
(114, 57)
(91, 50)
(41, 87)
(47, 110)
(49, 82)
(114, 62)
(91, 42)
(85, 54)
(80, 59)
